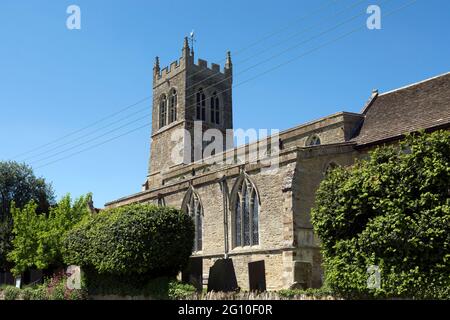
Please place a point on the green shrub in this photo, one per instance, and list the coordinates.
(56, 288)
(138, 239)
(12, 293)
(393, 211)
(76, 295)
(38, 293)
(53, 289)
(310, 292)
(180, 291)
(58, 291)
(27, 293)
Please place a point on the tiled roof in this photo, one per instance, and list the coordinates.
(423, 105)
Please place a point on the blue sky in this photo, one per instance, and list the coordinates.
(54, 81)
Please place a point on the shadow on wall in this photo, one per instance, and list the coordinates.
(222, 276)
(193, 273)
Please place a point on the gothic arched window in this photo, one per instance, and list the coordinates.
(330, 167)
(192, 206)
(245, 205)
(162, 111)
(201, 105)
(313, 141)
(161, 201)
(173, 106)
(215, 109)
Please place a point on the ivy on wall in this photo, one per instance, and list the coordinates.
(391, 211)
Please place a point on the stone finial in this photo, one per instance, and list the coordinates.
(156, 69)
(186, 50)
(228, 63)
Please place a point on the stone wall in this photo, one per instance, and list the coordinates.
(275, 230)
(310, 171)
(287, 244)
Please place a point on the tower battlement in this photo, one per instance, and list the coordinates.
(185, 63)
(161, 75)
(166, 71)
(214, 67)
(187, 92)
(175, 66)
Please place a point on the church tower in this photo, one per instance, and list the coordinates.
(186, 96)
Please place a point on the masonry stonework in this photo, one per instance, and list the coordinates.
(287, 250)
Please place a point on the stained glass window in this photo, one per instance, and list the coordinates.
(193, 207)
(246, 213)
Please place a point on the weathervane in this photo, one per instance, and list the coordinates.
(192, 39)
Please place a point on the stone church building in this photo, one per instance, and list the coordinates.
(253, 225)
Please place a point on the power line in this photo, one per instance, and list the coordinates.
(298, 33)
(250, 79)
(85, 127)
(86, 135)
(93, 139)
(261, 62)
(326, 5)
(280, 53)
(95, 146)
(324, 44)
(267, 49)
(266, 60)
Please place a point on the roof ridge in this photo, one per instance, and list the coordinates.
(369, 102)
(414, 84)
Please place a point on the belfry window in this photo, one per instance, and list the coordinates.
(173, 106)
(201, 105)
(245, 213)
(162, 111)
(192, 206)
(215, 109)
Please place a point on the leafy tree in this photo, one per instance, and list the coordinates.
(18, 184)
(5, 241)
(391, 210)
(136, 239)
(38, 238)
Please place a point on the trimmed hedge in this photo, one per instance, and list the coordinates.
(132, 240)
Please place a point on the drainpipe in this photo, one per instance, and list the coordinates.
(223, 186)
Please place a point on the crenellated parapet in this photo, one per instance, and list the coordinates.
(213, 68)
(166, 73)
(186, 63)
